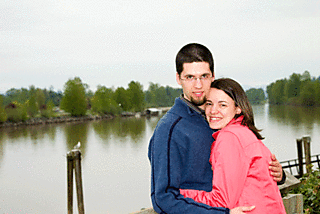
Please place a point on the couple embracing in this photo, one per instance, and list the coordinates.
(206, 154)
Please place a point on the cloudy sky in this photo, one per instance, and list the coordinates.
(46, 42)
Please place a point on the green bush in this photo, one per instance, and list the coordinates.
(310, 189)
(17, 114)
(47, 110)
(3, 115)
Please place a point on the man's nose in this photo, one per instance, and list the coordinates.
(198, 83)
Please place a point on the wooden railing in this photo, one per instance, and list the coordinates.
(302, 161)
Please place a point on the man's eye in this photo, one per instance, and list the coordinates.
(189, 77)
(205, 76)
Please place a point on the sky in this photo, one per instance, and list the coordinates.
(45, 43)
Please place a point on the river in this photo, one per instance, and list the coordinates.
(115, 167)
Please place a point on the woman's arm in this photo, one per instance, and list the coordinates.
(230, 167)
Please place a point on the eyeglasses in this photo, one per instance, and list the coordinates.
(192, 79)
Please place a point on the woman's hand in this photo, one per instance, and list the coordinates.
(276, 169)
(241, 210)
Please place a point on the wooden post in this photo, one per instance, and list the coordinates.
(77, 159)
(300, 157)
(70, 181)
(307, 152)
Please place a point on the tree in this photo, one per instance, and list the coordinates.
(16, 95)
(3, 115)
(157, 95)
(74, 97)
(305, 76)
(32, 106)
(103, 102)
(292, 88)
(121, 97)
(256, 96)
(136, 96)
(41, 98)
(150, 94)
(47, 111)
(275, 92)
(308, 92)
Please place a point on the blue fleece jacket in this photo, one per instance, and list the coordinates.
(179, 152)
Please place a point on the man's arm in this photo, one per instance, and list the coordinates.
(230, 169)
(277, 171)
(166, 159)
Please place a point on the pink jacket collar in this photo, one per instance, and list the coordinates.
(233, 121)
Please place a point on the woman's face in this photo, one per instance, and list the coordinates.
(220, 109)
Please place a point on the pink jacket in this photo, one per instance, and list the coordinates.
(241, 176)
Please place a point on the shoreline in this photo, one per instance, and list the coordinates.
(62, 119)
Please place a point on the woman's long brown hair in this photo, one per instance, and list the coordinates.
(234, 90)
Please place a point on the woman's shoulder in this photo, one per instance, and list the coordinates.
(240, 132)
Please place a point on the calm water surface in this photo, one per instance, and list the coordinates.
(115, 167)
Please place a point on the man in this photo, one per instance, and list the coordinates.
(179, 149)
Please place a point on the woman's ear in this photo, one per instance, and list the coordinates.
(238, 110)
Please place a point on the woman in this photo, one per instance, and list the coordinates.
(239, 159)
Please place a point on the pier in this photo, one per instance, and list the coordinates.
(297, 167)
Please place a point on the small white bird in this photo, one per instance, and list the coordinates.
(77, 146)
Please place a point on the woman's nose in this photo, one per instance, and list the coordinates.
(213, 109)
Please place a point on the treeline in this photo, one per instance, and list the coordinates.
(78, 100)
(256, 96)
(299, 89)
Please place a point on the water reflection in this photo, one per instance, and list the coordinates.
(115, 153)
(32, 133)
(295, 116)
(153, 121)
(123, 130)
(76, 132)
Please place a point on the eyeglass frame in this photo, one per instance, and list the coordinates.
(192, 79)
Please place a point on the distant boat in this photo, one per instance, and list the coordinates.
(153, 111)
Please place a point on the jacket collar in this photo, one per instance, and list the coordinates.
(192, 106)
(233, 121)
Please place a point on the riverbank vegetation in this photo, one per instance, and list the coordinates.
(78, 100)
(298, 89)
(310, 189)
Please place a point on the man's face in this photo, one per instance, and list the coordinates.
(195, 79)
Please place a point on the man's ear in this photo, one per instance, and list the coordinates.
(178, 78)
